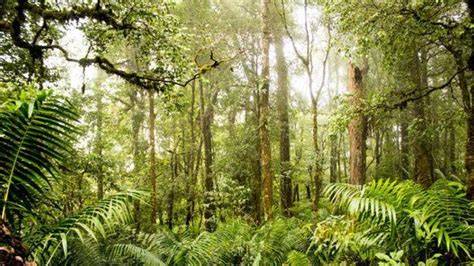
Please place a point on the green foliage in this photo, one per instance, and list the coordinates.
(91, 222)
(35, 134)
(403, 215)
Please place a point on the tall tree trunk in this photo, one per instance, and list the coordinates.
(99, 146)
(152, 154)
(404, 152)
(316, 169)
(137, 121)
(171, 195)
(192, 167)
(378, 146)
(206, 121)
(138, 117)
(265, 154)
(296, 193)
(252, 116)
(357, 127)
(282, 106)
(339, 159)
(469, 155)
(423, 167)
(333, 160)
(343, 145)
(451, 152)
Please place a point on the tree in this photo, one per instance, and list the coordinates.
(282, 105)
(357, 125)
(306, 58)
(423, 167)
(152, 154)
(207, 117)
(264, 96)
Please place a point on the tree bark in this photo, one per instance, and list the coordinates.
(206, 121)
(99, 145)
(192, 166)
(357, 127)
(296, 193)
(152, 154)
(171, 195)
(282, 106)
(469, 155)
(316, 170)
(451, 152)
(423, 167)
(333, 160)
(137, 121)
(404, 152)
(265, 154)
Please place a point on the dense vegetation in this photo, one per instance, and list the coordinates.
(206, 132)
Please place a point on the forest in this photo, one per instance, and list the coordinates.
(237, 132)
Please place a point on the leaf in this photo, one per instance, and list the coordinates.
(64, 243)
(31, 107)
(383, 257)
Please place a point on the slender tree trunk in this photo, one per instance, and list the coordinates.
(265, 154)
(152, 154)
(256, 182)
(423, 167)
(451, 152)
(252, 116)
(308, 189)
(404, 152)
(206, 121)
(282, 104)
(296, 193)
(357, 127)
(469, 155)
(316, 170)
(378, 146)
(339, 150)
(344, 157)
(333, 160)
(192, 173)
(138, 117)
(171, 195)
(137, 121)
(99, 146)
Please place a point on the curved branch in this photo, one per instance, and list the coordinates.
(414, 95)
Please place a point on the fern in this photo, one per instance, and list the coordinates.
(91, 222)
(34, 135)
(142, 254)
(423, 219)
(297, 258)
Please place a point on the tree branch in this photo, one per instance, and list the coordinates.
(415, 95)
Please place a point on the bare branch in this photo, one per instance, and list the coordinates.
(328, 49)
(415, 95)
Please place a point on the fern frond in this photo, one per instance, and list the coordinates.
(90, 222)
(35, 133)
(130, 250)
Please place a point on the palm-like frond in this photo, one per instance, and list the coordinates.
(438, 217)
(34, 135)
(144, 255)
(91, 222)
(298, 258)
(186, 250)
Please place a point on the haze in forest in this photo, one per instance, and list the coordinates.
(219, 132)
